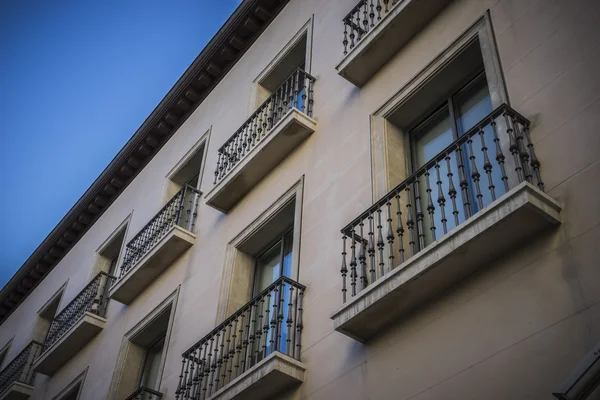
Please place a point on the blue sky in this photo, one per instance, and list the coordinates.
(77, 78)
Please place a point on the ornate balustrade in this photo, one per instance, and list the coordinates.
(463, 209)
(454, 185)
(180, 211)
(20, 368)
(144, 393)
(93, 298)
(362, 19)
(296, 92)
(376, 30)
(271, 322)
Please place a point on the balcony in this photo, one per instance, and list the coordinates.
(162, 241)
(144, 393)
(75, 326)
(16, 379)
(375, 30)
(271, 133)
(406, 249)
(254, 354)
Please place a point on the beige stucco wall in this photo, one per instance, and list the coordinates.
(514, 331)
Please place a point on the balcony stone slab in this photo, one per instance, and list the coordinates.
(508, 222)
(17, 391)
(271, 376)
(78, 335)
(146, 270)
(392, 33)
(282, 139)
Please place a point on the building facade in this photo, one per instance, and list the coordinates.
(339, 199)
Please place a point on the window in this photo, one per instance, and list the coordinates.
(265, 250)
(271, 265)
(73, 394)
(274, 263)
(188, 170)
(454, 117)
(143, 350)
(108, 254)
(73, 390)
(46, 315)
(151, 368)
(438, 97)
(296, 54)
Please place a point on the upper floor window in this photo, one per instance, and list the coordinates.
(274, 263)
(454, 117)
(151, 368)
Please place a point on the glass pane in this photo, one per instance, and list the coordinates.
(189, 208)
(194, 181)
(287, 254)
(473, 104)
(268, 268)
(113, 267)
(430, 139)
(152, 364)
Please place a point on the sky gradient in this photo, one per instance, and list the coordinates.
(77, 78)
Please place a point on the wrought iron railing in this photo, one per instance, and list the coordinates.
(271, 321)
(362, 19)
(20, 368)
(181, 210)
(144, 393)
(93, 298)
(295, 92)
(462, 178)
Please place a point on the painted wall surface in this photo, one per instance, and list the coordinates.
(513, 331)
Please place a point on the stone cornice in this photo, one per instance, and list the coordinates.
(228, 45)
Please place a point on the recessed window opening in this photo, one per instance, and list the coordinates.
(150, 342)
(189, 172)
(274, 263)
(73, 390)
(108, 255)
(3, 353)
(46, 315)
(141, 360)
(270, 265)
(444, 108)
(295, 58)
(151, 368)
(457, 115)
(73, 394)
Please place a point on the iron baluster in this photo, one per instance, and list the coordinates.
(390, 235)
(400, 228)
(344, 269)
(441, 200)
(362, 257)
(475, 173)
(371, 249)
